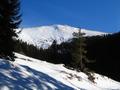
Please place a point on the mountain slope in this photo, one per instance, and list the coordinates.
(43, 36)
(31, 74)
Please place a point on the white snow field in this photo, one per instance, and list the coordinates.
(31, 74)
(43, 36)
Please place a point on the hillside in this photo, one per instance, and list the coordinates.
(31, 74)
(43, 36)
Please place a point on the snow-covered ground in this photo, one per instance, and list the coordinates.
(43, 36)
(31, 74)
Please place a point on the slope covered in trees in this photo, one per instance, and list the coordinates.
(103, 50)
(72, 53)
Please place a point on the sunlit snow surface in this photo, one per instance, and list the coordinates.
(31, 74)
(43, 36)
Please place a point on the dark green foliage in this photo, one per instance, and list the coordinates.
(9, 21)
(106, 51)
(55, 53)
(50, 54)
(29, 50)
(78, 51)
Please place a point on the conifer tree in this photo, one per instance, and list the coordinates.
(9, 21)
(53, 52)
(78, 51)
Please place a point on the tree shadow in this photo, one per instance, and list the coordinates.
(41, 81)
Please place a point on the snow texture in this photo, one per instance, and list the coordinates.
(31, 74)
(43, 36)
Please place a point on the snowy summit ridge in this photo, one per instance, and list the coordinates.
(43, 36)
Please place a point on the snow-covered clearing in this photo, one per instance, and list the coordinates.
(31, 74)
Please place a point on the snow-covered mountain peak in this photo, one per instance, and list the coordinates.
(43, 36)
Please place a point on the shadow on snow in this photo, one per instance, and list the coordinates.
(37, 80)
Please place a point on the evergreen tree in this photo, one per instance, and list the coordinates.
(9, 21)
(54, 52)
(78, 51)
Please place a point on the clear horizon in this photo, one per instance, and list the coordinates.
(99, 15)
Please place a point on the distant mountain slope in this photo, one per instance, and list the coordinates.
(43, 36)
(31, 74)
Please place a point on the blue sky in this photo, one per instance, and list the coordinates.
(101, 15)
